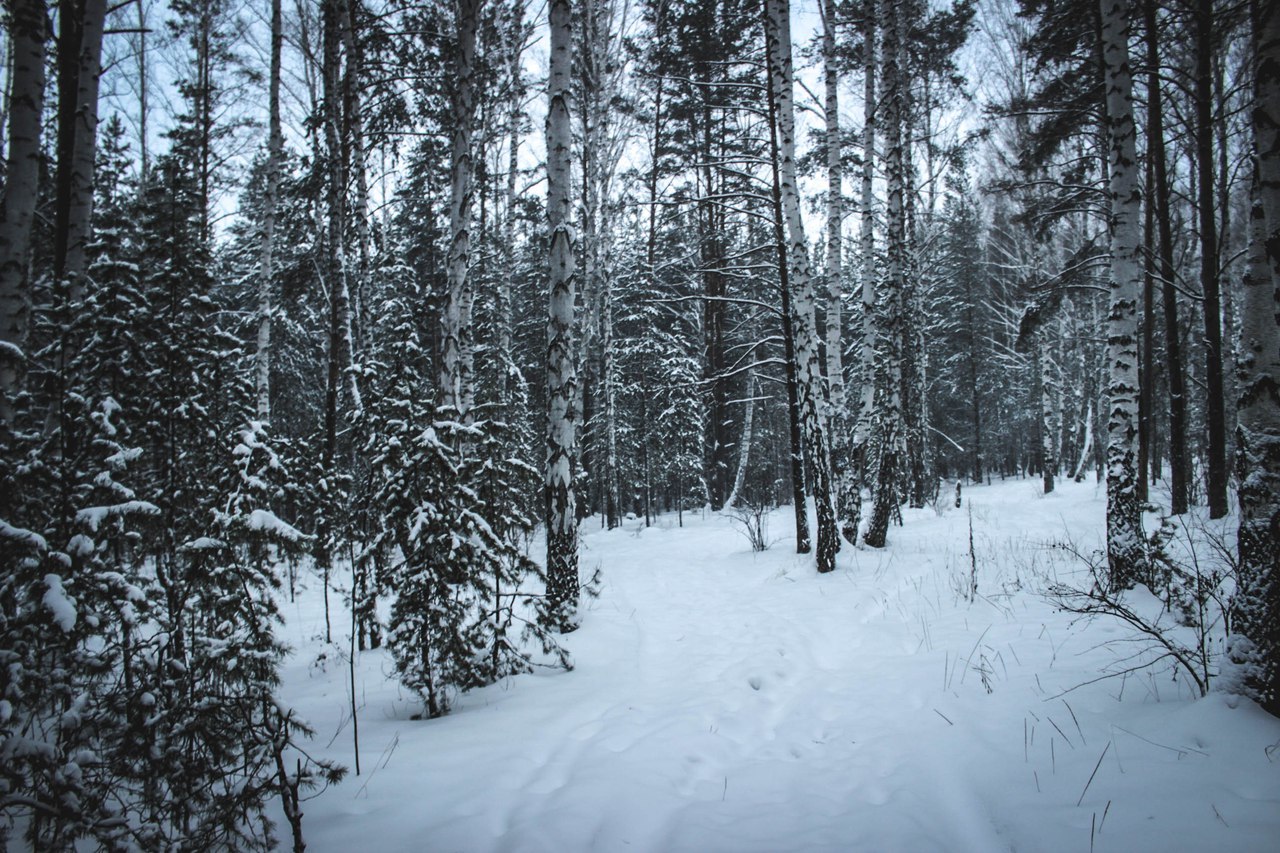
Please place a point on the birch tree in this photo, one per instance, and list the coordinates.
(809, 369)
(456, 361)
(850, 504)
(1125, 541)
(888, 425)
(1254, 650)
(561, 510)
(835, 210)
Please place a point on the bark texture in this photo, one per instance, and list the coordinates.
(809, 367)
(1125, 540)
(29, 32)
(561, 514)
(1254, 649)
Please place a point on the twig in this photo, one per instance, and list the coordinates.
(1094, 773)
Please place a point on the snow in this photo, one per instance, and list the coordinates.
(22, 536)
(265, 521)
(56, 602)
(725, 700)
(93, 517)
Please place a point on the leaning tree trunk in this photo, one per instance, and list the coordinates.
(887, 426)
(1254, 650)
(1125, 541)
(803, 307)
(561, 513)
(28, 32)
(455, 379)
(275, 142)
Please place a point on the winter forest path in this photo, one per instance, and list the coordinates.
(726, 700)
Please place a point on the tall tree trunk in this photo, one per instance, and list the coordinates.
(1179, 462)
(1125, 541)
(794, 419)
(275, 142)
(888, 426)
(850, 506)
(144, 109)
(29, 32)
(506, 307)
(801, 281)
(353, 85)
(1254, 649)
(79, 68)
(835, 214)
(454, 388)
(1215, 404)
(561, 515)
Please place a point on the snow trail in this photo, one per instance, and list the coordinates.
(726, 700)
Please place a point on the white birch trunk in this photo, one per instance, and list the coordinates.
(835, 213)
(809, 368)
(561, 518)
(1125, 540)
(1254, 648)
(744, 447)
(455, 380)
(867, 242)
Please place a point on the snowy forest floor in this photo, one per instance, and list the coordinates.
(725, 700)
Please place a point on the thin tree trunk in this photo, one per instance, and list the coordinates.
(144, 110)
(1125, 541)
(29, 33)
(851, 496)
(803, 543)
(275, 142)
(79, 68)
(353, 86)
(744, 446)
(561, 514)
(1215, 404)
(1044, 367)
(455, 380)
(835, 213)
(803, 302)
(888, 415)
(1179, 463)
(506, 308)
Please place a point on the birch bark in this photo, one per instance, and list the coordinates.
(778, 18)
(1254, 649)
(1125, 540)
(561, 514)
(455, 378)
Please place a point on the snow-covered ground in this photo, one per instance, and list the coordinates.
(725, 700)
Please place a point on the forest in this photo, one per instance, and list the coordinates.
(421, 318)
